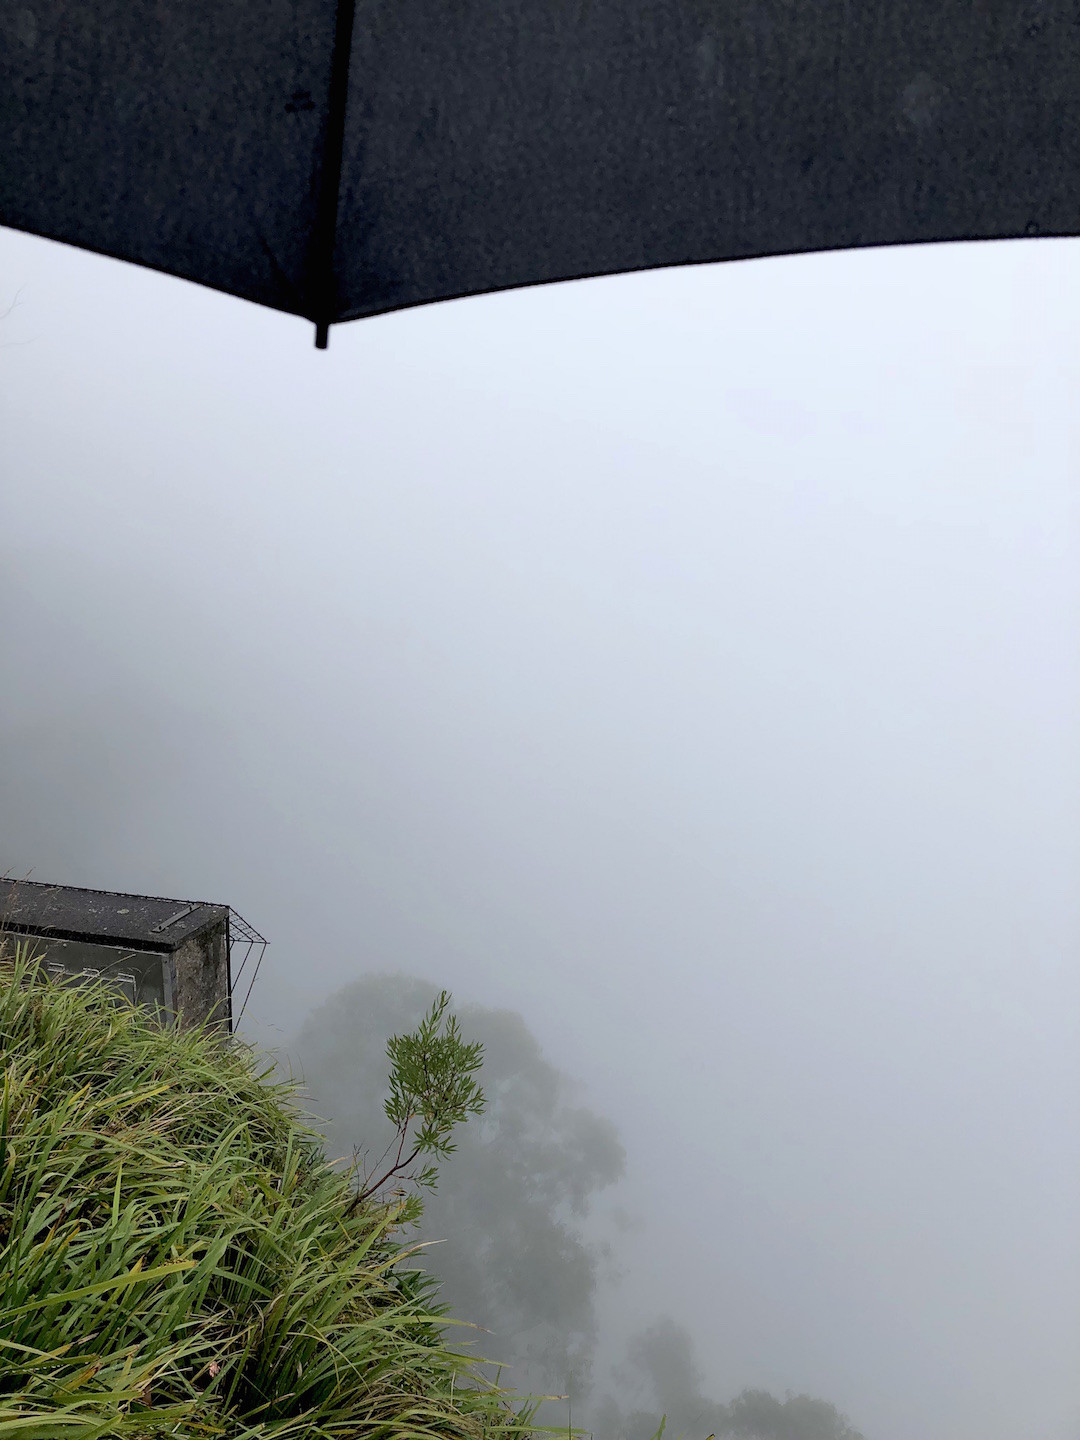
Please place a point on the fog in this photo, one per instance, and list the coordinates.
(688, 662)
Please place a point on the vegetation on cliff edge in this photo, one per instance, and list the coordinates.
(178, 1258)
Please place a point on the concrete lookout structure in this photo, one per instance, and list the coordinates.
(174, 956)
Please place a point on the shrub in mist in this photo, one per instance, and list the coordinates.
(662, 1370)
(511, 1204)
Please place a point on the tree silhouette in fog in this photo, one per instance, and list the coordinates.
(661, 1364)
(509, 1201)
(507, 1217)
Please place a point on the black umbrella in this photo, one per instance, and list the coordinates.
(336, 160)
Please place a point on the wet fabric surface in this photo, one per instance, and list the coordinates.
(489, 146)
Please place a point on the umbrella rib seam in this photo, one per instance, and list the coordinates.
(323, 277)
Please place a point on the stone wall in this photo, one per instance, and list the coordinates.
(199, 970)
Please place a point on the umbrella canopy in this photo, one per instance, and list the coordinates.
(342, 158)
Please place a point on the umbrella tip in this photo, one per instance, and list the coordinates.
(322, 334)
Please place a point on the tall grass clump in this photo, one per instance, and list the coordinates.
(178, 1258)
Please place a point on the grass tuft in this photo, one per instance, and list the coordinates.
(177, 1257)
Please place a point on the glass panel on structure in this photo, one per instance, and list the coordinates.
(136, 974)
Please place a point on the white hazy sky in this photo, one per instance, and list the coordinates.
(688, 660)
